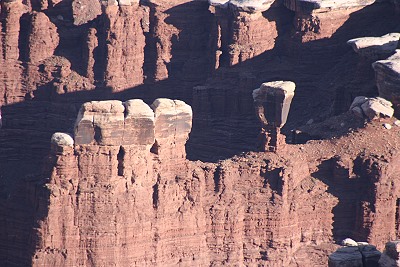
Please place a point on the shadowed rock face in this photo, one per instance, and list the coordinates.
(375, 46)
(311, 5)
(387, 74)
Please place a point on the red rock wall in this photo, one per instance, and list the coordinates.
(282, 209)
(202, 213)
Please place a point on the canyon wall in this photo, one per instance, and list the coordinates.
(58, 54)
(115, 201)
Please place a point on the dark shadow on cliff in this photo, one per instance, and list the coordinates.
(224, 122)
(350, 182)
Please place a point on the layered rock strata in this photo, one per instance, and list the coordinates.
(181, 46)
(242, 210)
(319, 19)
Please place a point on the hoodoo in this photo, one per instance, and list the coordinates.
(272, 103)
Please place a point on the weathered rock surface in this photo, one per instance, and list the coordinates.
(43, 38)
(173, 123)
(387, 74)
(62, 139)
(138, 124)
(275, 113)
(272, 103)
(373, 46)
(175, 200)
(372, 108)
(348, 242)
(182, 44)
(244, 5)
(311, 5)
(85, 10)
(100, 122)
(124, 63)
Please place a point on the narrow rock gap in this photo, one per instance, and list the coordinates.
(397, 218)
(120, 158)
(23, 37)
(217, 178)
(156, 193)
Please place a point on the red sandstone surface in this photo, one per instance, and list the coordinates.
(92, 205)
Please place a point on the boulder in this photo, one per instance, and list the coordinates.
(348, 242)
(372, 108)
(346, 257)
(371, 46)
(370, 255)
(62, 139)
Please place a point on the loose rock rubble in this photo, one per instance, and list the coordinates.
(372, 108)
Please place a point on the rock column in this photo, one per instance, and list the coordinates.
(272, 103)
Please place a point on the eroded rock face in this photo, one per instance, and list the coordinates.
(173, 123)
(43, 39)
(272, 103)
(309, 6)
(100, 122)
(85, 11)
(133, 122)
(387, 73)
(375, 46)
(157, 203)
(139, 124)
(124, 63)
(244, 5)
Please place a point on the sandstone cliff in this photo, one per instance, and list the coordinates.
(56, 55)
